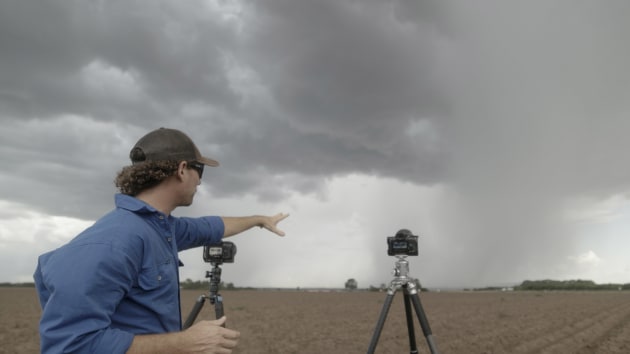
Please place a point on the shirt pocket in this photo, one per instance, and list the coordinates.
(155, 276)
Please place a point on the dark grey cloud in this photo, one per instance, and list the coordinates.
(348, 72)
(343, 82)
(516, 107)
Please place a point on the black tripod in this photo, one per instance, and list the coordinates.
(401, 280)
(213, 296)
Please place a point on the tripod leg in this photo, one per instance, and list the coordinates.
(381, 321)
(218, 308)
(413, 349)
(195, 311)
(424, 323)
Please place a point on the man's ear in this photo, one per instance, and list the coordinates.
(180, 169)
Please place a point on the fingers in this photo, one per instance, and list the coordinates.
(277, 231)
(225, 332)
(228, 338)
(230, 333)
(223, 351)
(210, 337)
(276, 219)
(281, 216)
(219, 322)
(228, 343)
(225, 347)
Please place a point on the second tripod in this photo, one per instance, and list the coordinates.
(402, 280)
(215, 298)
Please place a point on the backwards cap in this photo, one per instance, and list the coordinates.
(167, 145)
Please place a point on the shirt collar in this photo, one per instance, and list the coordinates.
(132, 204)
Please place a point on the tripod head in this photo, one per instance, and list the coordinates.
(401, 267)
(215, 281)
(401, 277)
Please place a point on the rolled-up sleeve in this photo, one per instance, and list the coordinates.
(196, 232)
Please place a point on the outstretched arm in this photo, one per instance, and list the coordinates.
(236, 225)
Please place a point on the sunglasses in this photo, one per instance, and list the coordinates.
(197, 167)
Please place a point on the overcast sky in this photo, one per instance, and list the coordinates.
(495, 130)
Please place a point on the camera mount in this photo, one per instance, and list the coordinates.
(408, 285)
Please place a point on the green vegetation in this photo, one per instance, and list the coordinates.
(205, 285)
(578, 284)
(17, 285)
(383, 287)
(351, 284)
(487, 288)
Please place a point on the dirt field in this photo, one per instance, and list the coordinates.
(462, 322)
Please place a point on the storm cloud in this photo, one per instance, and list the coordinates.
(488, 121)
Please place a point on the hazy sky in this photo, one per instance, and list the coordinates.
(496, 130)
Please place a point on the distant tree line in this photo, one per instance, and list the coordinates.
(189, 284)
(17, 285)
(578, 284)
(384, 287)
(351, 284)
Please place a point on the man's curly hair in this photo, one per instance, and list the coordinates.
(132, 180)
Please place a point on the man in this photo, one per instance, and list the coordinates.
(115, 287)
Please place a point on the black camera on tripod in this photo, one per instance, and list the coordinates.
(215, 254)
(404, 243)
(219, 253)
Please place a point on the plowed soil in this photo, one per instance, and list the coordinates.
(343, 322)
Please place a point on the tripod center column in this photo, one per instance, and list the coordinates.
(402, 268)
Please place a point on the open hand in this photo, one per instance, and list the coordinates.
(271, 222)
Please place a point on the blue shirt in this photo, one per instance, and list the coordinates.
(117, 278)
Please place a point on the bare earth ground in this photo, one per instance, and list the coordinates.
(461, 322)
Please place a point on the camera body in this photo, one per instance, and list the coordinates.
(403, 243)
(223, 252)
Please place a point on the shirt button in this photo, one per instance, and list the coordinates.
(168, 239)
(159, 277)
(161, 217)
